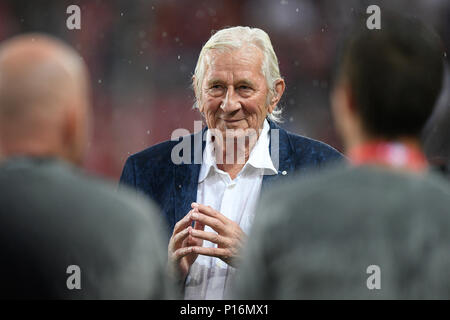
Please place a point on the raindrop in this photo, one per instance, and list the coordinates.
(146, 67)
(296, 10)
(283, 2)
(445, 54)
(121, 14)
(148, 131)
(291, 119)
(164, 34)
(99, 80)
(179, 57)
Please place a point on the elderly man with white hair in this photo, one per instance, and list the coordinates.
(209, 204)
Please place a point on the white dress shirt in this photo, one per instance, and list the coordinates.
(209, 277)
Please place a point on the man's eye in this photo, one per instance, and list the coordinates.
(244, 88)
(216, 90)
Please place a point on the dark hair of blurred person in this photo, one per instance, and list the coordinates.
(322, 237)
(395, 77)
(52, 214)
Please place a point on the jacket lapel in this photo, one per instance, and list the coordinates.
(281, 153)
(186, 177)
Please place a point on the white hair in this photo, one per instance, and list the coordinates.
(235, 38)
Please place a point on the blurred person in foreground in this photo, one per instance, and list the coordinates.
(242, 150)
(52, 215)
(436, 135)
(379, 228)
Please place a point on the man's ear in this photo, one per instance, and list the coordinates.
(69, 132)
(74, 134)
(345, 114)
(279, 90)
(342, 101)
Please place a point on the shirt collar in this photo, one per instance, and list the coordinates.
(259, 156)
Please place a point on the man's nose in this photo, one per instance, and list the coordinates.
(231, 101)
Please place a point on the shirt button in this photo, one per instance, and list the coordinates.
(231, 185)
(284, 173)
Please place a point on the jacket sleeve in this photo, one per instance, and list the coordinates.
(128, 176)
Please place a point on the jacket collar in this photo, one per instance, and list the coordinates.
(281, 153)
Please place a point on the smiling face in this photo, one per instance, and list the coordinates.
(234, 90)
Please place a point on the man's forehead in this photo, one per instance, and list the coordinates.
(242, 61)
(242, 55)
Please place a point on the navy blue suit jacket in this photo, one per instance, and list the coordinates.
(174, 186)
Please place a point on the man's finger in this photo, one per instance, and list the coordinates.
(183, 223)
(210, 236)
(193, 241)
(182, 252)
(214, 223)
(209, 211)
(221, 253)
(199, 226)
(178, 238)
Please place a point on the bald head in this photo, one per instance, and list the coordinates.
(44, 98)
